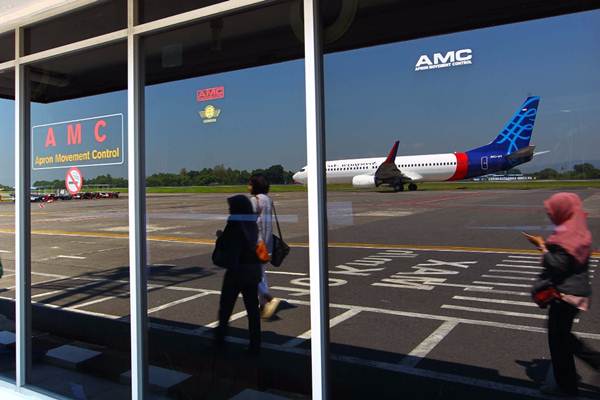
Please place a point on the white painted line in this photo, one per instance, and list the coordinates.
(502, 284)
(35, 296)
(71, 257)
(4, 251)
(420, 352)
(176, 302)
(515, 272)
(394, 285)
(527, 257)
(521, 261)
(286, 273)
(92, 302)
(214, 324)
(496, 301)
(95, 314)
(332, 322)
(519, 266)
(514, 278)
(499, 292)
(491, 311)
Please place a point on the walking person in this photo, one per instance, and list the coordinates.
(236, 248)
(565, 277)
(258, 186)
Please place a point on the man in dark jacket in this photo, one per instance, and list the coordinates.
(237, 249)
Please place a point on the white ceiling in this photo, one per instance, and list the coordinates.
(14, 12)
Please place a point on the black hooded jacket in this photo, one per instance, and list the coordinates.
(238, 241)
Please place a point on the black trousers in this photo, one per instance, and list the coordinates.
(233, 285)
(564, 345)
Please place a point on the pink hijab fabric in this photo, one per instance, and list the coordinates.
(571, 231)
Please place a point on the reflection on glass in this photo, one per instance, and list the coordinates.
(79, 213)
(431, 143)
(7, 222)
(218, 111)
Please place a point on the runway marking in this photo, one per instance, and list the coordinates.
(422, 284)
(496, 301)
(521, 261)
(516, 278)
(420, 352)
(519, 266)
(71, 257)
(348, 245)
(514, 272)
(214, 324)
(498, 291)
(176, 302)
(96, 301)
(529, 257)
(286, 273)
(491, 311)
(501, 284)
(332, 322)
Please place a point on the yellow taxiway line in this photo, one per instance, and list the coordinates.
(342, 245)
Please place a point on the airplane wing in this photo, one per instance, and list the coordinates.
(539, 153)
(412, 176)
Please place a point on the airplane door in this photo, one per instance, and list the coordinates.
(484, 163)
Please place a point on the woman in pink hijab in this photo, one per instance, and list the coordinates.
(565, 260)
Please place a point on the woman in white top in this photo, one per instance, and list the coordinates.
(258, 186)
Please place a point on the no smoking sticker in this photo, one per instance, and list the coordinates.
(74, 180)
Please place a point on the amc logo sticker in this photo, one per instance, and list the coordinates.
(82, 142)
(452, 58)
(214, 93)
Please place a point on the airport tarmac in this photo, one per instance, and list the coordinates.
(433, 284)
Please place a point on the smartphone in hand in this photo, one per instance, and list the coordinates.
(537, 241)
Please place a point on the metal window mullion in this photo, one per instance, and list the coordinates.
(317, 201)
(22, 219)
(137, 210)
(7, 65)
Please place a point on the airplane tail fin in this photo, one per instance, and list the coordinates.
(517, 132)
(391, 158)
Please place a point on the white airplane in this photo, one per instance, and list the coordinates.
(509, 149)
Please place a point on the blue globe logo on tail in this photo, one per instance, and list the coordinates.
(517, 132)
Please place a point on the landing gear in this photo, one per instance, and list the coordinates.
(398, 187)
(412, 187)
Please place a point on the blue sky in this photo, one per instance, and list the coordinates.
(373, 97)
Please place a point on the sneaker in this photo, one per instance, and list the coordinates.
(555, 390)
(269, 308)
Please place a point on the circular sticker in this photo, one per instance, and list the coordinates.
(74, 180)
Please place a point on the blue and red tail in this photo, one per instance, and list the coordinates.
(517, 132)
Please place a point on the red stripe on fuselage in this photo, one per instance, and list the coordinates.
(462, 166)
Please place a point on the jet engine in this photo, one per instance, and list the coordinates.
(363, 181)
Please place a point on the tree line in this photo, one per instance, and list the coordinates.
(219, 175)
(579, 171)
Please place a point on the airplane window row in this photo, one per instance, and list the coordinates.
(426, 164)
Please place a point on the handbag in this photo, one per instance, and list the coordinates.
(543, 297)
(219, 257)
(280, 248)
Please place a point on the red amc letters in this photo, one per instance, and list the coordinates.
(74, 134)
(210, 93)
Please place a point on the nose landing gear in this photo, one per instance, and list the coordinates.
(412, 187)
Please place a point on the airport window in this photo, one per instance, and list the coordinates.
(206, 132)
(84, 23)
(409, 271)
(7, 46)
(7, 224)
(79, 221)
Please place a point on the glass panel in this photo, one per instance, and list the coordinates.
(7, 46)
(430, 275)
(219, 109)
(84, 23)
(151, 10)
(7, 223)
(79, 212)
